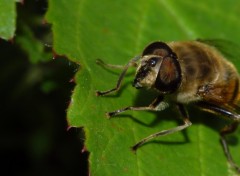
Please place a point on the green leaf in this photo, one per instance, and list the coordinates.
(116, 31)
(8, 19)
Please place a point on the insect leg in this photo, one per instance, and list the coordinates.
(186, 124)
(102, 63)
(228, 130)
(156, 105)
(132, 62)
(227, 112)
(230, 114)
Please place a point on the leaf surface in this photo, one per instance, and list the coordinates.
(116, 31)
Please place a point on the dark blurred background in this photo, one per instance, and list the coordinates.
(35, 93)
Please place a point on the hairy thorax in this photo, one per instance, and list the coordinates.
(206, 74)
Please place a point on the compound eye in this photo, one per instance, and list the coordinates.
(169, 75)
(153, 61)
(157, 48)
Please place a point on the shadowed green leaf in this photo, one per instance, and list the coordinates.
(116, 31)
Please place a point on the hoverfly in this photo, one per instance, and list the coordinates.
(185, 72)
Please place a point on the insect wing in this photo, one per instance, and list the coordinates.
(229, 49)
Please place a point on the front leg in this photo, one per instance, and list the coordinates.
(157, 105)
(184, 117)
(132, 62)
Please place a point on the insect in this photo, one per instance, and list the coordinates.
(185, 72)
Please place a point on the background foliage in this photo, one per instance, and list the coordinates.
(35, 91)
(115, 31)
(8, 18)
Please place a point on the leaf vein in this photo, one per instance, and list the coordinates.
(179, 21)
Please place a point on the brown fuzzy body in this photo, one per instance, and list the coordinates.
(206, 74)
